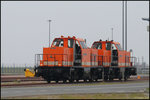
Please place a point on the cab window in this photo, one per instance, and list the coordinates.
(114, 47)
(83, 44)
(70, 43)
(108, 46)
(119, 47)
(97, 46)
(58, 42)
(77, 44)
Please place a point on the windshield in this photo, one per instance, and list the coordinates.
(83, 44)
(97, 46)
(114, 47)
(119, 47)
(108, 46)
(58, 42)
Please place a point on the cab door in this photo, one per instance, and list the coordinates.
(85, 53)
(70, 54)
(114, 55)
(77, 53)
(107, 54)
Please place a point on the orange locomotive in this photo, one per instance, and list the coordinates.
(69, 58)
(113, 59)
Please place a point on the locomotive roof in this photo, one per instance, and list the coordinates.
(107, 41)
(62, 37)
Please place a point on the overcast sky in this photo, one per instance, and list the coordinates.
(24, 26)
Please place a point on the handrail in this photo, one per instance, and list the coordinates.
(37, 58)
(100, 59)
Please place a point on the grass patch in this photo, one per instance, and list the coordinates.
(147, 90)
(88, 96)
(97, 83)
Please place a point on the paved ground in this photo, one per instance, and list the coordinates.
(114, 88)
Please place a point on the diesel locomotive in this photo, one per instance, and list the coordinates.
(70, 59)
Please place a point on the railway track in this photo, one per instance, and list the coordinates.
(14, 78)
(19, 78)
(44, 83)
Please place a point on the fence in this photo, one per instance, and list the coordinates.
(143, 70)
(14, 69)
(19, 69)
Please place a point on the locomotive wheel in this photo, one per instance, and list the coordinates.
(48, 81)
(120, 78)
(77, 81)
(96, 80)
(64, 81)
(90, 80)
(71, 81)
(110, 78)
(57, 81)
(105, 78)
(125, 78)
(85, 80)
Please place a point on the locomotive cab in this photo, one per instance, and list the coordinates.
(113, 59)
(108, 51)
(66, 59)
(65, 52)
(76, 47)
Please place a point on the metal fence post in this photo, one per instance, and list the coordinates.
(18, 69)
(14, 68)
(11, 69)
(8, 68)
(21, 69)
(2, 69)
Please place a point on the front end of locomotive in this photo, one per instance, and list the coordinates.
(55, 63)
